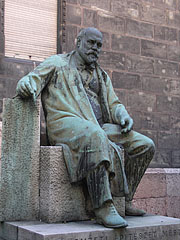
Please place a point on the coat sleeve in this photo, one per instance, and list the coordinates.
(41, 75)
(115, 106)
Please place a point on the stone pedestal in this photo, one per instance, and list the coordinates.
(19, 185)
(140, 228)
(59, 199)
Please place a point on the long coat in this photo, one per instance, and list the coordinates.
(70, 120)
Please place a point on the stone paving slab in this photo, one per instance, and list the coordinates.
(149, 227)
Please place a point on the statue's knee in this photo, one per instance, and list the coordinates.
(150, 145)
(97, 132)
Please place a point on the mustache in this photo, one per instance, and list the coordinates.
(92, 52)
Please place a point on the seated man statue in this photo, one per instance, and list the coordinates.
(84, 115)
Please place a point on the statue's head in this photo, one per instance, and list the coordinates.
(89, 43)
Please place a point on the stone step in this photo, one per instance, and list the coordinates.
(149, 227)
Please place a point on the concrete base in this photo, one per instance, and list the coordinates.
(149, 227)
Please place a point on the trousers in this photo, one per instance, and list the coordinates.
(139, 151)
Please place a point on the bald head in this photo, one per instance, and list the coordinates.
(89, 31)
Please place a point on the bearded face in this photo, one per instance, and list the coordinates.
(89, 46)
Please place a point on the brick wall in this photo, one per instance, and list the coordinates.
(141, 54)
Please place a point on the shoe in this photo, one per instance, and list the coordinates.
(132, 211)
(109, 217)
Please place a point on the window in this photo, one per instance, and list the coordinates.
(30, 28)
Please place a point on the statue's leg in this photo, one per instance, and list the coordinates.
(101, 198)
(139, 150)
(98, 186)
(139, 154)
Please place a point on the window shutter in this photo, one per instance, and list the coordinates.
(30, 28)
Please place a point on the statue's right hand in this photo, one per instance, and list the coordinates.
(26, 88)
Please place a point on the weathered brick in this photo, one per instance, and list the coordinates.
(74, 14)
(15, 68)
(103, 4)
(174, 53)
(175, 210)
(125, 8)
(173, 19)
(168, 104)
(164, 122)
(139, 64)
(125, 44)
(1, 24)
(110, 23)
(106, 40)
(175, 123)
(3, 90)
(2, 4)
(72, 1)
(153, 84)
(171, 4)
(71, 34)
(161, 85)
(141, 101)
(153, 185)
(175, 158)
(111, 60)
(156, 206)
(10, 85)
(149, 121)
(162, 158)
(89, 18)
(149, 1)
(172, 182)
(153, 49)
(154, 121)
(122, 95)
(126, 80)
(167, 140)
(1, 107)
(139, 29)
(152, 14)
(165, 68)
(2, 42)
(166, 34)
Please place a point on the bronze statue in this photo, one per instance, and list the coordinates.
(84, 115)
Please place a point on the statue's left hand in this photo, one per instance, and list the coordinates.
(125, 121)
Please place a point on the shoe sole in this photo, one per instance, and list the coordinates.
(111, 226)
(133, 214)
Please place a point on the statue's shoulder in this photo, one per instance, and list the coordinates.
(60, 60)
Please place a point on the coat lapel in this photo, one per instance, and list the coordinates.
(103, 96)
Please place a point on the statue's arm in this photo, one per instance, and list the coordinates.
(118, 111)
(32, 84)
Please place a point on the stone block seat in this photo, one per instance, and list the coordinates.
(34, 181)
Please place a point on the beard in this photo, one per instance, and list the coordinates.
(92, 56)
